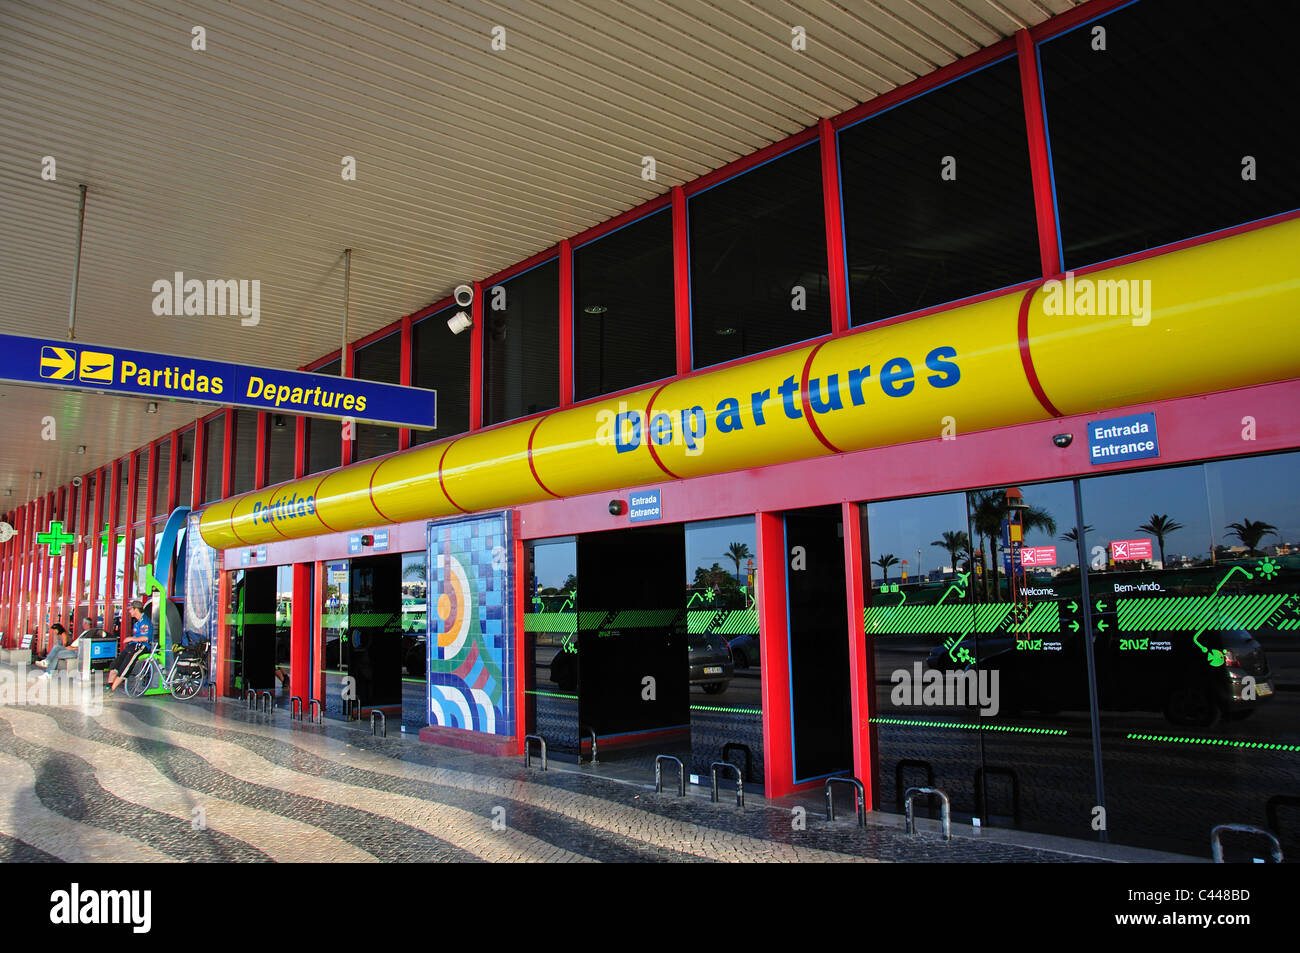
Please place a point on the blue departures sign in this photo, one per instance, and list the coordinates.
(1123, 438)
(643, 506)
(167, 377)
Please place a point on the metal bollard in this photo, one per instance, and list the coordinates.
(740, 781)
(383, 721)
(250, 698)
(592, 732)
(1216, 848)
(317, 712)
(528, 751)
(268, 698)
(212, 691)
(681, 775)
(859, 799)
(295, 707)
(944, 812)
(744, 749)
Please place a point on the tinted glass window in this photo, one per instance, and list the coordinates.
(245, 450)
(441, 363)
(123, 490)
(758, 260)
(521, 345)
(281, 438)
(214, 450)
(380, 361)
(1176, 132)
(185, 475)
(141, 486)
(162, 479)
(938, 197)
(324, 435)
(623, 310)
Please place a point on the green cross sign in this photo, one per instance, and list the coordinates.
(103, 540)
(55, 538)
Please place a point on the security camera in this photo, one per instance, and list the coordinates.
(1063, 440)
(615, 507)
(464, 295)
(460, 321)
(76, 481)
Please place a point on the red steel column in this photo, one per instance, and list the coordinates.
(42, 570)
(93, 527)
(227, 452)
(84, 514)
(259, 452)
(476, 382)
(681, 281)
(774, 649)
(404, 377)
(111, 606)
(317, 681)
(860, 685)
(300, 448)
(220, 673)
(63, 570)
(300, 630)
(346, 363)
(173, 474)
(199, 473)
(566, 323)
(836, 269)
(1039, 162)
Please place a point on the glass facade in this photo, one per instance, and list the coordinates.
(958, 216)
(379, 361)
(623, 317)
(214, 434)
(281, 438)
(1177, 178)
(440, 361)
(758, 260)
(521, 344)
(981, 664)
(244, 448)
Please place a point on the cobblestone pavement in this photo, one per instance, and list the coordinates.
(160, 780)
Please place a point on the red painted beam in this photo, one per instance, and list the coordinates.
(681, 281)
(774, 650)
(837, 268)
(1049, 248)
(566, 324)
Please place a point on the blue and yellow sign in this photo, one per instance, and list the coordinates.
(168, 377)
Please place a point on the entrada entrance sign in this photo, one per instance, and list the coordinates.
(144, 374)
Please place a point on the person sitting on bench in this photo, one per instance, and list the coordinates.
(60, 648)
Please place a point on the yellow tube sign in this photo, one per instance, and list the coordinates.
(1206, 318)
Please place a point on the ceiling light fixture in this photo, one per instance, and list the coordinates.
(725, 332)
(37, 474)
(151, 408)
(595, 309)
(81, 449)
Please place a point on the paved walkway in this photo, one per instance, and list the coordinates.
(160, 780)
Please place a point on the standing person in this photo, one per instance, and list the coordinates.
(142, 635)
(61, 646)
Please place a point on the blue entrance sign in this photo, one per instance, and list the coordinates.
(1123, 438)
(643, 506)
(167, 377)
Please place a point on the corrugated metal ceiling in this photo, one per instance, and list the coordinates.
(226, 163)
